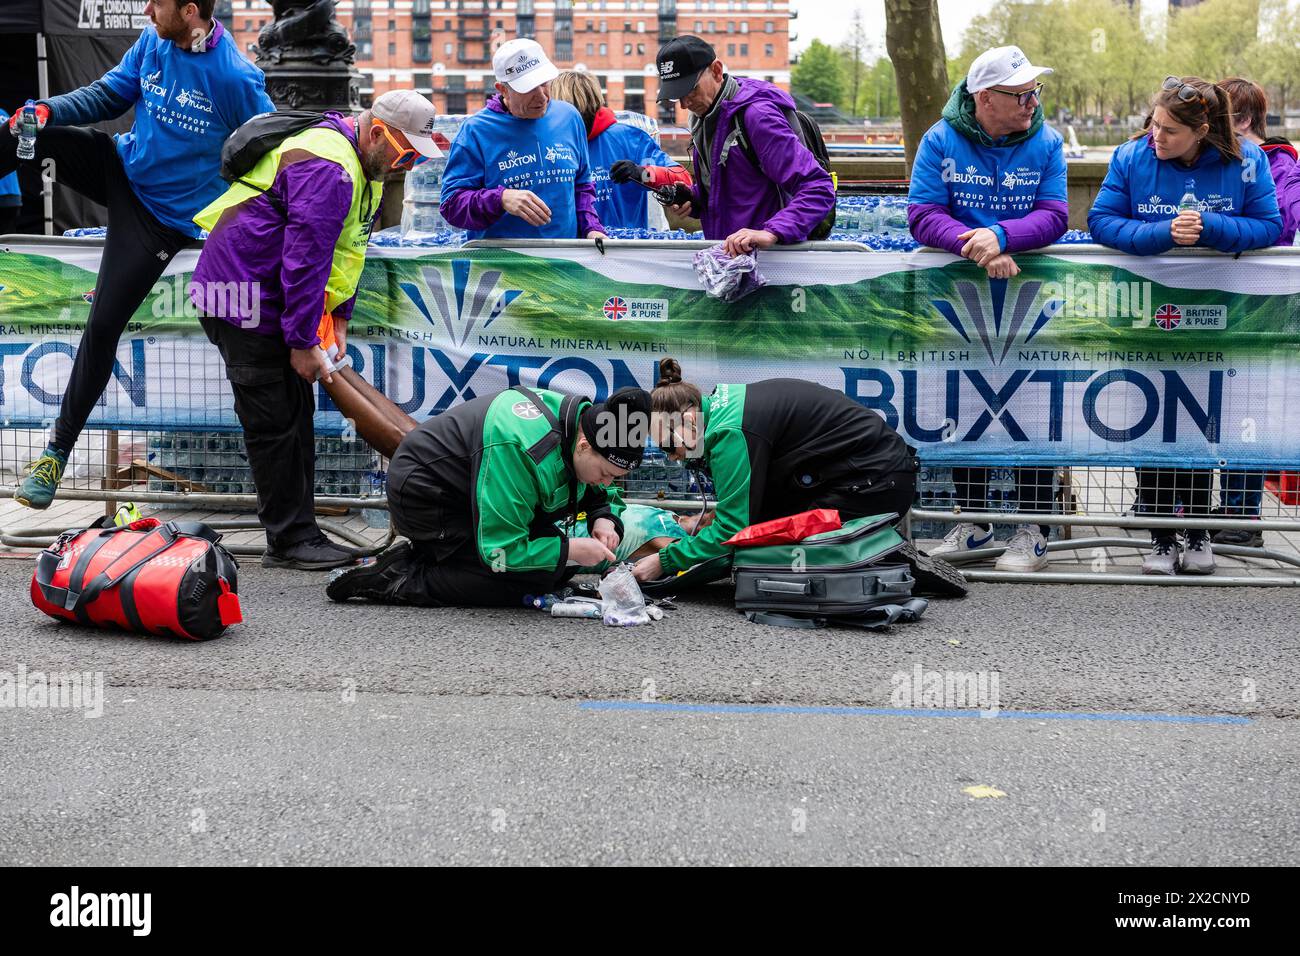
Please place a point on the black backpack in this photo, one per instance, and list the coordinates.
(258, 136)
(810, 135)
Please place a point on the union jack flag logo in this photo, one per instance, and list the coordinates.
(1169, 317)
(89, 296)
(615, 307)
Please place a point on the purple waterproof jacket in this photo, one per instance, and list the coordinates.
(1286, 176)
(788, 195)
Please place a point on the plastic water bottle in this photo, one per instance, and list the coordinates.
(28, 128)
(1189, 200)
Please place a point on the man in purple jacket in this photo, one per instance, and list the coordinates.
(283, 257)
(756, 184)
(989, 181)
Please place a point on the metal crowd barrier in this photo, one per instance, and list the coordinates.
(175, 467)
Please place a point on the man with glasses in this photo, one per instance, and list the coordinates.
(280, 267)
(989, 181)
(519, 167)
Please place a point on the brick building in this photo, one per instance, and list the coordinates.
(443, 48)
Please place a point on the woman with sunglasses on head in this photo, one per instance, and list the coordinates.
(286, 243)
(774, 448)
(1185, 180)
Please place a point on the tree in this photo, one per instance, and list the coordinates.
(817, 74)
(914, 40)
(854, 66)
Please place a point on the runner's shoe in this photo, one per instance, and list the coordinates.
(43, 476)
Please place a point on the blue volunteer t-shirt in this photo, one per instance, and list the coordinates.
(981, 185)
(622, 205)
(186, 105)
(547, 156)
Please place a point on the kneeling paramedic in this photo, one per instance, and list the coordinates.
(287, 241)
(477, 491)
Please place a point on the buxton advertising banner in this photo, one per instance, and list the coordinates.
(1086, 356)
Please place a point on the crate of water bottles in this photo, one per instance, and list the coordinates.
(659, 478)
(217, 462)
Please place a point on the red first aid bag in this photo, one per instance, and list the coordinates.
(786, 530)
(149, 577)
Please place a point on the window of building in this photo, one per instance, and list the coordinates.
(525, 26)
(365, 50)
(604, 27)
(711, 26)
(627, 26)
(392, 49)
(525, 8)
(744, 26)
(420, 8)
(591, 26)
(446, 49)
(446, 25)
(769, 50)
(248, 25)
(604, 49)
(564, 49)
(731, 26)
(769, 26)
(420, 52)
(591, 49)
(731, 49)
(699, 26)
(744, 49)
(392, 26)
(627, 49)
(640, 49)
(640, 26)
(634, 102)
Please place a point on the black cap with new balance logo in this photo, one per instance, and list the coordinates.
(681, 61)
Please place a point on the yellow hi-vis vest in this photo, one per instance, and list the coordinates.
(350, 250)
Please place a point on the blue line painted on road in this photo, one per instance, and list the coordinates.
(905, 712)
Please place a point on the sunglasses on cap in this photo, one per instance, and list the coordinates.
(407, 157)
(1022, 98)
(1186, 92)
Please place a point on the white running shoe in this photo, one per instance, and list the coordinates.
(1026, 551)
(963, 537)
(1198, 555)
(1163, 558)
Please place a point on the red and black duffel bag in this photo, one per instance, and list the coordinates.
(149, 577)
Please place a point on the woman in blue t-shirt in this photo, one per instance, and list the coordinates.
(1185, 180)
(620, 203)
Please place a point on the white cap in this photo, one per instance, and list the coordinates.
(1002, 66)
(413, 114)
(522, 64)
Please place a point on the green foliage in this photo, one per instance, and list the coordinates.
(818, 74)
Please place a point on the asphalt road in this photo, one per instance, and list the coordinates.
(323, 734)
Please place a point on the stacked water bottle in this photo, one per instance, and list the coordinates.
(420, 215)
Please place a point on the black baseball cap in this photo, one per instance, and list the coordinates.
(681, 61)
(617, 428)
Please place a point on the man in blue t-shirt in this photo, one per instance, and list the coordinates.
(191, 87)
(519, 167)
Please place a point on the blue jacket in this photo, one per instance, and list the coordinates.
(621, 205)
(187, 103)
(495, 151)
(1140, 195)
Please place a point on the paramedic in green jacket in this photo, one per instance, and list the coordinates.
(478, 488)
(775, 448)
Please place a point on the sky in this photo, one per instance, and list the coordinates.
(826, 20)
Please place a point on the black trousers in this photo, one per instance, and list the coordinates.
(1033, 486)
(136, 251)
(446, 570)
(275, 405)
(852, 498)
(1160, 490)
